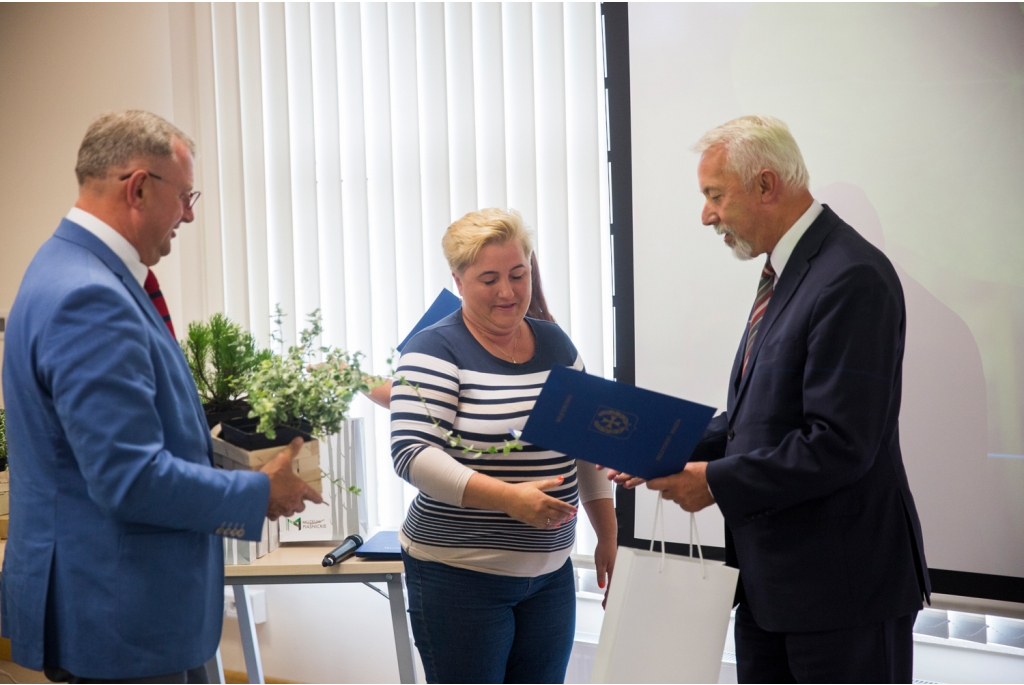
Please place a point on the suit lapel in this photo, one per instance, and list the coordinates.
(74, 233)
(796, 269)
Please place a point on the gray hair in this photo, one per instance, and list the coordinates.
(757, 142)
(115, 139)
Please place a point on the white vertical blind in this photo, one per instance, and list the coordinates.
(583, 166)
(229, 144)
(209, 271)
(302, 144)
(356, 228)
(277, 151)
(520, 140)
(489, 104)
(433, 135)
(250, 88)
(348, 136)
(552, 172)
(458, 18)
(327, 140)
(405, 154)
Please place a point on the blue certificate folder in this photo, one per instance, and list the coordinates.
(383, 546)
(640, 432)
(443, 305)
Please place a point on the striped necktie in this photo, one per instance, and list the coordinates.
(764, 294)
(153, 290)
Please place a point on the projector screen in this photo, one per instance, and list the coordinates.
(911, 121)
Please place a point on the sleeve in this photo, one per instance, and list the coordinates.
(592, 483)
(424, 401)
(95, 359)
(854, 348)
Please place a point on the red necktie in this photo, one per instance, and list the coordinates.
(764, 294)
(153, 290)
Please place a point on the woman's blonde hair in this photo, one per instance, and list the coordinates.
(465, 238)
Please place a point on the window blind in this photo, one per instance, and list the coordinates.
(339, 141)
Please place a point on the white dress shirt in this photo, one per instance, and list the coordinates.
(784, 249)
(118, 244)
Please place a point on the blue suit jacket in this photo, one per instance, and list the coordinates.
(807, 466)
(112, 567)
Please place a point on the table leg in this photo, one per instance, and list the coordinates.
(215, 669)
(247, 627)
(400, 624)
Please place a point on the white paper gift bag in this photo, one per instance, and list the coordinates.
(666, 619)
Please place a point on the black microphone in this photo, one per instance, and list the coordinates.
(343, 551)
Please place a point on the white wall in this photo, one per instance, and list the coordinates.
(62, 65)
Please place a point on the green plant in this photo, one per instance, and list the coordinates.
(307, 384)
(221, 356)
(3, 434)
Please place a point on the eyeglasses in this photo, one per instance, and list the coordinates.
(190, 199)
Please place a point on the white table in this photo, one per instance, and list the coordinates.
(294, 564)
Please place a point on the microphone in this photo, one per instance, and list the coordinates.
(343, 551)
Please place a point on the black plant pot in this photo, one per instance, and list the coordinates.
(239, 410)
(242, 433)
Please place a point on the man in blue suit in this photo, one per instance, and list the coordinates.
(805, 465)
(114, 565)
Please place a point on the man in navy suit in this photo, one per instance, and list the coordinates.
(805, 465)
(114, 563)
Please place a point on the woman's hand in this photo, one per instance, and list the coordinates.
(604, 564)
(624, 479)
(602, 516)
(527, 502)
(524, 502)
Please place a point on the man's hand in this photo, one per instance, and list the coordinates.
(688, 488)
(288, 493)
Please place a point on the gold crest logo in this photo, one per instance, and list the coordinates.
(613, 423)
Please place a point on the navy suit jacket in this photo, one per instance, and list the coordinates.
(113, 568)
(807, 468)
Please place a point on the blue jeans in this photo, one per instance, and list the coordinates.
(473, 627)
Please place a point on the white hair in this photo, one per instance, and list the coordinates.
(757, 142)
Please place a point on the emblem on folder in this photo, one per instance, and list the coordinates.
(613, 423)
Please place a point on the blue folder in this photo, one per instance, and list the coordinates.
(443, 305)
(640, 432)
(383, 546)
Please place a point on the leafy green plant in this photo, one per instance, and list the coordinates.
(221, 356)
(308, 386)
(3, 435)
(309, 383)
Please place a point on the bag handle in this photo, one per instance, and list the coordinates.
(659, 515)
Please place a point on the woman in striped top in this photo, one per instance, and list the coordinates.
(486, 542)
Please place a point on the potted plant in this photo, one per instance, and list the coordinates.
(3, 440)
(306, 391)
(5, 484)
(221, 356)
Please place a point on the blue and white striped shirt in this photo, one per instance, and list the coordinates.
(480, 397)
